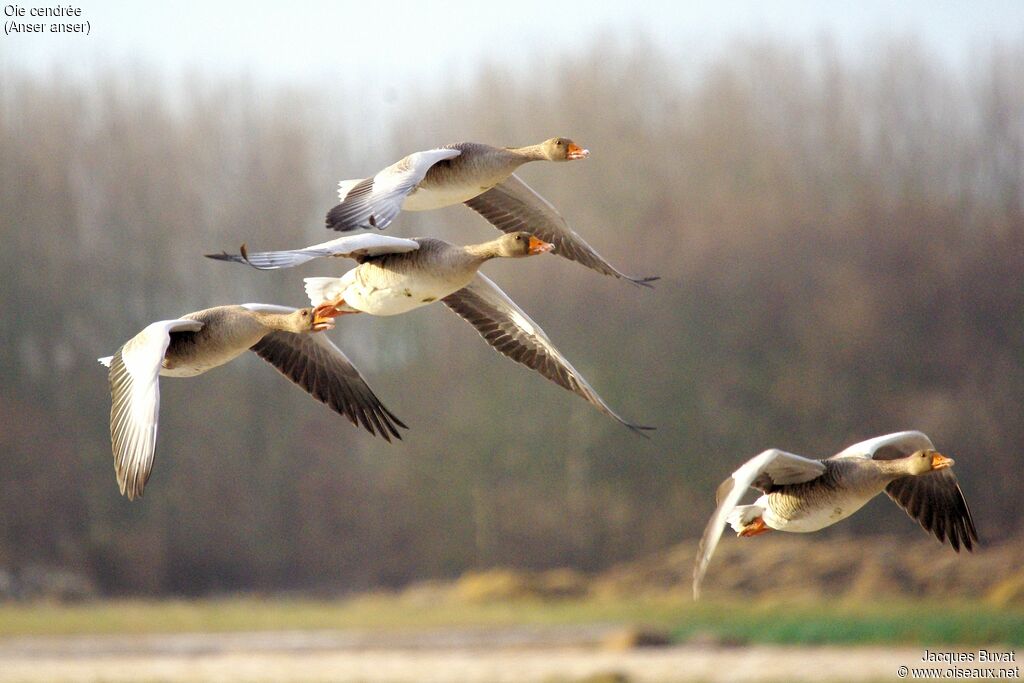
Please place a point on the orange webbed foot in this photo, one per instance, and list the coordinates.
(754, 528)
(324, 311)
(332, 309)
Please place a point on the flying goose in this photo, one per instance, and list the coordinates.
(482, 177)
(194, 343)
(803, 495)
(397, 275)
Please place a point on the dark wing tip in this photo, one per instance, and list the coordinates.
(643, 281)
(335, 220)
(392, 422)
(242, 257)
(942, 512)
(244, 250)
(374, 426)
(640, 430)
(969, 532)
(376, 419)
(225, 256)
(330, 379)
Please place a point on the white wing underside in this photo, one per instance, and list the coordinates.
(349, 246)
(907, 442)
(135, 401)
(784, 468)
(374, 202)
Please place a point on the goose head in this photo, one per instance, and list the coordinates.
(924, 461)
(563, 149)
(520, 244)
(302, 320)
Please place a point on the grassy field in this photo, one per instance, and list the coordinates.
(888, 623)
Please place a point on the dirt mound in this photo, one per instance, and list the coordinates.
(796, 566)
(784, 566)
(507, 584)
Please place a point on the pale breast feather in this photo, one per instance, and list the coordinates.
(427, 199)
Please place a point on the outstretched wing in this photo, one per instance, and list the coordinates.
(314, 363)
(135, 402)
(358, 247)
(511, 332)
(773, 467)
(937, 503)
(888, 446)
(934, 499)
(374, 202)
(512, 206)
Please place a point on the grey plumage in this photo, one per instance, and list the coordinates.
(512, 205)
(422, 270)
(482, 176)
(803, 495)
(512, 333)
(319, 367)
(290, 339)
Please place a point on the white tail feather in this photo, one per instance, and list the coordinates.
(322, 289)
(106, 360)
(742, 515)
(345, 186)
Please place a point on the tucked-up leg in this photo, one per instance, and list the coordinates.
(332, 309)
(755, 527)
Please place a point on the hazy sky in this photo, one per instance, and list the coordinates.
(315, 41)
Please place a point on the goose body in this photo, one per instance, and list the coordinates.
(480, 176)
(392, 284)
(436, 178)
(843, 488)
(395, 276)
(381, 293)
(475, 170)
(219, 336)
(288, 338)
(804, 495)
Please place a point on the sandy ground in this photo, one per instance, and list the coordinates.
(448, 656)
(425, 666)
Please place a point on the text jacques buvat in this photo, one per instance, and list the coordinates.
(48, 19)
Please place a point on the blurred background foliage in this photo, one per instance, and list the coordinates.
(840, 241)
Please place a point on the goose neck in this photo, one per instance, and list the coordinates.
(483, 252)
(531, 152)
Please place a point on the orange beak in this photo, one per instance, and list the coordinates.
(941, 462)
(576, 152)
(538, 246)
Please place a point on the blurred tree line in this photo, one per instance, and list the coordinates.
(840, 240)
